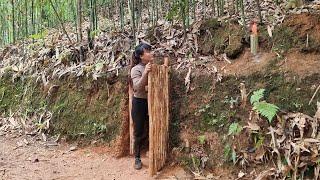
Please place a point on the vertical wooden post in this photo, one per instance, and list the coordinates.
(131, 122)
(254, 44)
(151, 125)
(254, 38)
(158, 107)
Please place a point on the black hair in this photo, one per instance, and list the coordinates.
(138, 52)
(136, 56)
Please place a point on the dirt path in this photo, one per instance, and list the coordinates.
(22, 159)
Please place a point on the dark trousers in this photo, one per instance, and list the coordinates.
(140, 118)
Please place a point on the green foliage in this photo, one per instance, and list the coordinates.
(229, 154)
(285, 38)
(179, 10)
(173, 13)
(38, 36)
(267, 110)
(257, 96)
(94, 33)
(227, 151)
(234, 129)
(72, 115)
(99, 128)
(195, 162)
(202, 139)
(258, 140)
(232, 101)
(203, 109)
(234, 156)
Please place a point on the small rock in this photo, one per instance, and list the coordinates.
(73, 148)
(44, 137)
(19, 144)
(234, 50)
(25, 141)
(52, 143)
(251, 150)
(3, 172)
(241, 174)
(35, 160)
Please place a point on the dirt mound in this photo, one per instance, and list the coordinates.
(304, 24)
(301, 64)
(220, 37)
(300, 31)
(248, 64)
(293, 62)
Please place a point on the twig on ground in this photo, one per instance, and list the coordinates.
(314, 94)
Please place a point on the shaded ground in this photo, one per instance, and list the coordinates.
(37, 161)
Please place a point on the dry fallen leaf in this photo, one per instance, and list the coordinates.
(270, 29)
(266, 174)
(241, 174)
(252, 126)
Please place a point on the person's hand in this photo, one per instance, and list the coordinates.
(147, 69)
(166, 61)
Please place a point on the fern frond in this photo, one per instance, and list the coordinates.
(257, 95)
(234, 129)
(266, 109)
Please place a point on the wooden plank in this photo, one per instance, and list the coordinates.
(254, 44)
(158, 99)
(167, 105)
(151, 151)
(131, 127)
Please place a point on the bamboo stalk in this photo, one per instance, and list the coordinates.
(60, 21)
(13, 25)
(26, 17)
(79, 19)
(213, 8)
(259, 11)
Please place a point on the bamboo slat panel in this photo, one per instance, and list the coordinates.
(158, 107)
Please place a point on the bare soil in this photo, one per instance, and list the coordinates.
(294, 61)
(38, 161)
(304, 24)
(301, 64)
(248, 64)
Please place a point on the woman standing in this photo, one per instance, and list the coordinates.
(140, 67)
